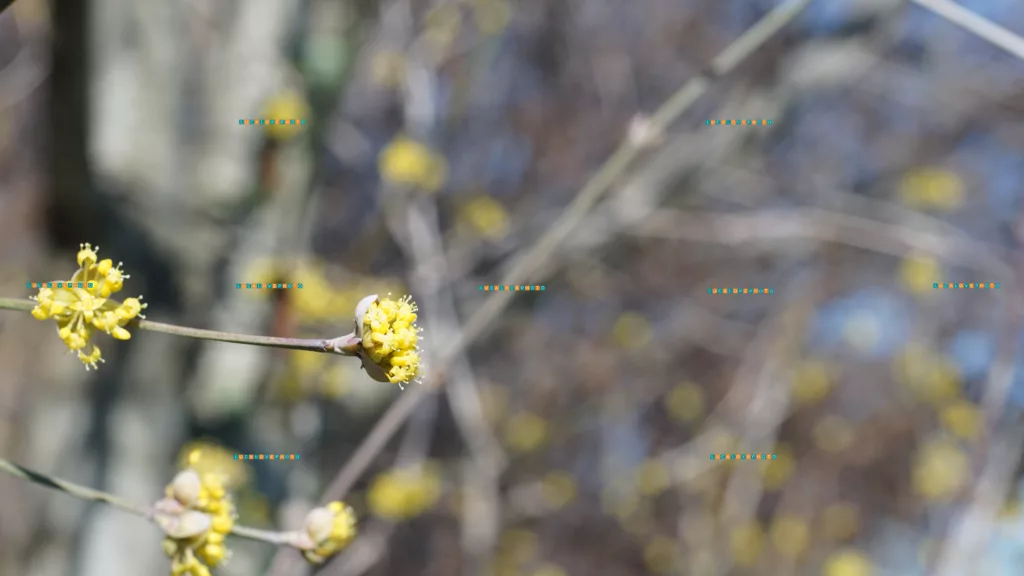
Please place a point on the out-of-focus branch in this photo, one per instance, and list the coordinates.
(771, 227)
(982, 28)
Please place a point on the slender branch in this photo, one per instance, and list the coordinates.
(76, 490)
(345, 345)
(86, 493)
(982, 28)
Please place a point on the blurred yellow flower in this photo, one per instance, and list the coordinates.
(492, 16)
(685, 402)
(790, 535)
(661, 555)
(929, 376)
(388, 68)
(847, 563)
(652, 477)
(812, 381)
(840, 521)
(941, 469)
(963, 419)
(518, 545)
(401, 494)
(525, 432)
(549, 569)
(210, 458)
(558, 488)
(486, 217)
(932, 188)
(918, 272)
(746, 542)
(406, 162)
(441, 28)
(286, 106)
(833, 433)
(778, 471)
(632, 331)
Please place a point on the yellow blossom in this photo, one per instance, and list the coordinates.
(918, 272)
(779, 470)
(847, 563)
(486, 217)
(82, 305)
(652, 477)
(328, 530)
(811, 382)
(932, 188)
(558, 488)
(286, 106)
(941, 469)
(661, 555)
(632, 331)
(963, 419)
(525, 432)
(405, 162)
(196, 514)
(840, 521)
(790, 535)
(685, 402)
(745, 542)
(390, 338)
(492, 16)
(400, 494)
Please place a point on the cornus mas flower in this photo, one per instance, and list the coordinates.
(328, 530)
(390, 338)
(196, 514)
(80, 312)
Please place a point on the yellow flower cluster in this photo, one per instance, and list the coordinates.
(390, 338)
(329, 530)
(406, 162)
(197, 514)
(81, 311)
(405, 493)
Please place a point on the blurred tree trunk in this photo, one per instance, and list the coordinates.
(70, 213)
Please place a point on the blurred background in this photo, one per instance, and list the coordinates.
(572, 438)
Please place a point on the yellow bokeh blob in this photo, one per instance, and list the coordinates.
(932, 188)
(745, 543)
(661, 555)
(941, 470)
(406, 162)
(963, 419)
(525, 432)
(685, 402)
(790, 535)
(288, 106)
(632, 331)
(848, 563)
(812, 381)
(840, 521)
(918, 272)
(486, 217)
